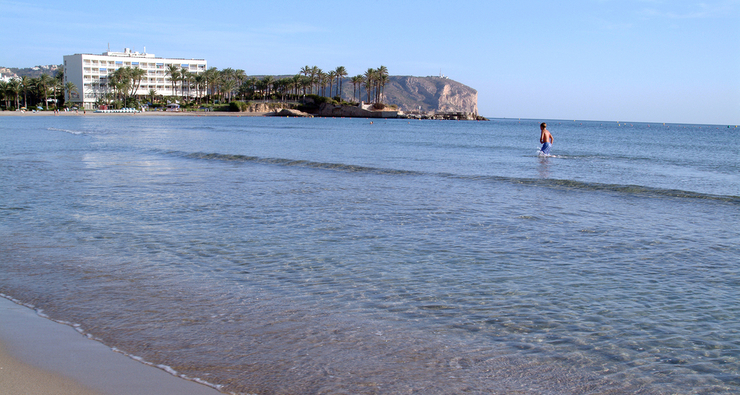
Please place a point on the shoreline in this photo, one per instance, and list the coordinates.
(145, 113)
(38, 355)
(218, 114)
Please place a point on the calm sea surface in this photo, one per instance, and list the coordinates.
(289, 256)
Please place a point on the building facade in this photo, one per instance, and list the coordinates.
(5, 78)
(90, 74)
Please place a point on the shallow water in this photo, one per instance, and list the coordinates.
(273, 255)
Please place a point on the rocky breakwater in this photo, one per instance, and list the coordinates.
(338, 111)
(286, 112)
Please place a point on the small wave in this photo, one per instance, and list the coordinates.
(550, 183)
(75, 132)
(4, 208)
(628, 189)
(294, 162)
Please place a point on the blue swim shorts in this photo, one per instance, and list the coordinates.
(546, 148)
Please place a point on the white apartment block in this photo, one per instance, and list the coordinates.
(90, 74)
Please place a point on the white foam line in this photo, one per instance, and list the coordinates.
(65, 131)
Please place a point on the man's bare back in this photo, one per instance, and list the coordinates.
(546, 139)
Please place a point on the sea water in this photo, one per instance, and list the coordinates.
(284, 255)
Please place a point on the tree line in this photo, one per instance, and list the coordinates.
(234, 84)
(122, 85)
(38, 91)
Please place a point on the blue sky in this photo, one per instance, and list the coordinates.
(629, 60)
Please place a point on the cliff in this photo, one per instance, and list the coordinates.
(425, 94)
(430, 94)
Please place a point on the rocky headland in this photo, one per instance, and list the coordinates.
(430, 94)
(404, 97)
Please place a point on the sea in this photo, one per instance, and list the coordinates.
(265, 255)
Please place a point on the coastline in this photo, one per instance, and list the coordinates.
(41, 356)
(145, 113)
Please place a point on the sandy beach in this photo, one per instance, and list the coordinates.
(40, 356)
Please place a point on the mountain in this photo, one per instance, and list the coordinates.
(425, 94)
(31, 72)
(430, 94)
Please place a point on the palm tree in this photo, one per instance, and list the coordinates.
(186, 80)
(211, 80)
(70, 88)
(152, 95)
(251, 82)
(173, 71)
(136, 75)
(200, 80)
(43, 85)
(341, 72)
(369, 82)
(268, 81)
(60, 86)
(245, 89)
(240, 75)
(330, 80)
(26, 84)
(382, 72)
(14, 88)
(227, 73)
(320, 82)
(227, 87)
(4, 93)
(282, 86)
(357, 83)
(314, 74)
(296, 83)
(305, 83)
(120, 80)
(56, 88)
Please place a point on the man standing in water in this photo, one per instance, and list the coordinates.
(545, 139)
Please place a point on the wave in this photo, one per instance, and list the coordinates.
(549, 183)
(293, 162)
(629, 189)
(75, 132)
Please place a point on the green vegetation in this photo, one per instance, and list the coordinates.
(43, 92)
(213, 89)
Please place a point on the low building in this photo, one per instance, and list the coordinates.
(6, 78)
(90, 72)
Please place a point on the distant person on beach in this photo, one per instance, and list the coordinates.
(545, 139)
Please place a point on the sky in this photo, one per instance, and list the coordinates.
(674, 61)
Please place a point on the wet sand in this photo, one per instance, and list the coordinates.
(40, 356)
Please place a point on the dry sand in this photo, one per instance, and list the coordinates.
(39, 356)
(20, 378)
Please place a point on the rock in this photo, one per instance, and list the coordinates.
(335, 110)
(259, 107)
(291, 113)
(421, 94)
(430, 94)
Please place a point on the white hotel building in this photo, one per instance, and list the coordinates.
(90, 74)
